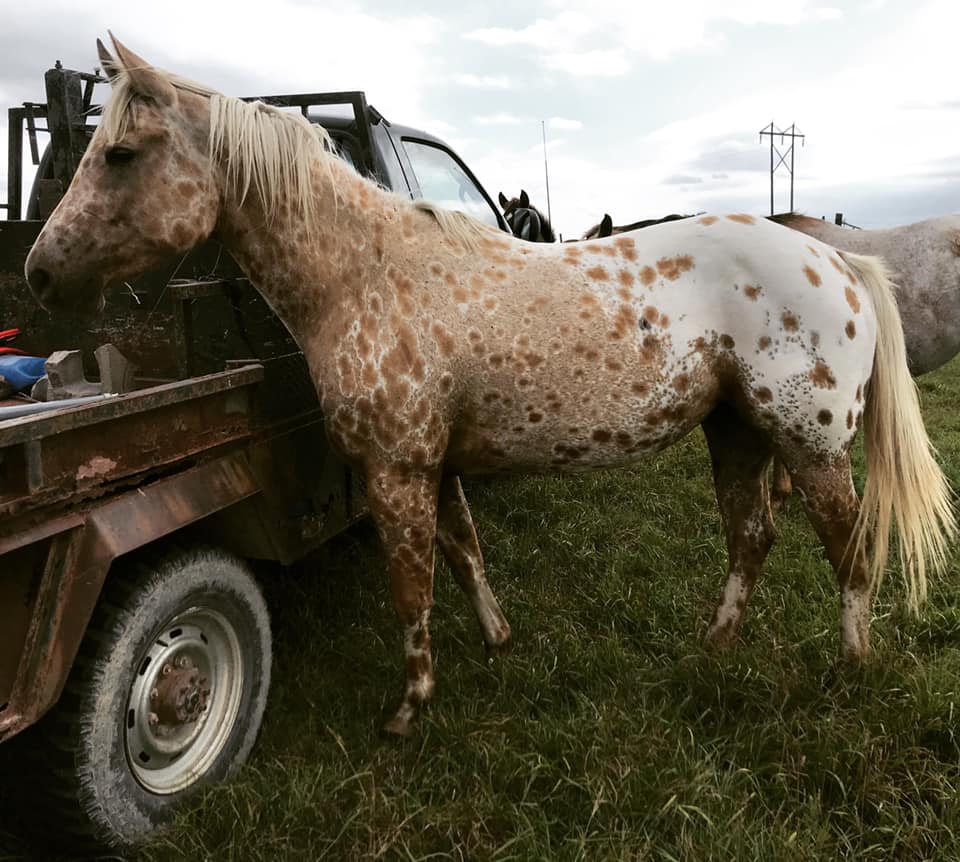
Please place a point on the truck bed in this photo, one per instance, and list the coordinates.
(57, 459)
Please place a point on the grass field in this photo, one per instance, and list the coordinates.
(609, 732)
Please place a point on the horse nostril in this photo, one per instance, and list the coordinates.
(39, 280)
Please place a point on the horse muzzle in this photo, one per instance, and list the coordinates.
(59, 292)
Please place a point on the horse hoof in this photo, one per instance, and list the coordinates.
(495, 651)
(401, 724)
(721, 638)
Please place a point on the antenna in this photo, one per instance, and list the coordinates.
(772, 131)
(546, 173)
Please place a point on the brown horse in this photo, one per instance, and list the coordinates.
(442, 347)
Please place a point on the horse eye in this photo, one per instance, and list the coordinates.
(119, 155)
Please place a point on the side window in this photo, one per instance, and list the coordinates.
(443, 180)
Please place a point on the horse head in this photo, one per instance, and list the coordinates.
(145, 189)
(525, 220)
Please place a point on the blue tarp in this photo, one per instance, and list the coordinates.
(21, 372)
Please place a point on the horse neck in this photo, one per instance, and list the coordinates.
(302, 270)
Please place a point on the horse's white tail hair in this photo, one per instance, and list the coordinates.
(904, 484)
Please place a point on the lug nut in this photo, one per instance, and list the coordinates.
(153, 719)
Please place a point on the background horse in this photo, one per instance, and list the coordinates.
(525, 220)
(439, 346)
(606, 226)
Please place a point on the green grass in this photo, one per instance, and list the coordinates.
(609, 731)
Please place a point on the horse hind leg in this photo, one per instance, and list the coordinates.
(740, 456)
(458, 542)
(832, 507)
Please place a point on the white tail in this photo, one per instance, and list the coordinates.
(904, 482)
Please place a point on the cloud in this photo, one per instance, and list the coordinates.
(562, 123)
(488, 82)
(553, 34)
(589, 64)
(567, 41)
(501, 119)
(681, 180)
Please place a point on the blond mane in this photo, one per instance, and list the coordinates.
(272, 152)
(458, 226)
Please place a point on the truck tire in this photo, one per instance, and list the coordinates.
(167, 693)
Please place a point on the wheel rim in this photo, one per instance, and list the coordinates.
(183, 701)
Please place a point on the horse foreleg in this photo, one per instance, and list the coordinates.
(740, 457)
(458, 541)
(404, 508)
(782, 485)
(832, 507)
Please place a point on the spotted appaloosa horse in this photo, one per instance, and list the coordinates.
(442, 347)
(525, 220)
(924, 258)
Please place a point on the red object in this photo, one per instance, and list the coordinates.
(9, 335)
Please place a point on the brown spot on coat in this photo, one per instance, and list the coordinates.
(849, 419)
(648, 275)
(851, 329)
(598, 273)
(708, 220)
(763, 394)
(743, 218)
(790, 322)
(822, 376)
(824, 417)
(627, 246)
(444, 338)
(751, 292)
(601, 435)
(764, 342)
(672, 268)
(727, 342)
(812, 276)
(852, 300)
(626, 278)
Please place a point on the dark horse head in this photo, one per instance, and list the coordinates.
(525, 220)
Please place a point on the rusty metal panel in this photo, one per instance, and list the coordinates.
(72, 453)
(18, 585)
(77, 564)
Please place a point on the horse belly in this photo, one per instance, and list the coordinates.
(607, 420)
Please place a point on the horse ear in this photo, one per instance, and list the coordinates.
(144, 78)
(503, 201)
(107, 63)
(524, 199)
(606, 226)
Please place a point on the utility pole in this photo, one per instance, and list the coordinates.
(546, 173)
(773, 132)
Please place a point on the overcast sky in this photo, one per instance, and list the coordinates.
(650, 107)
